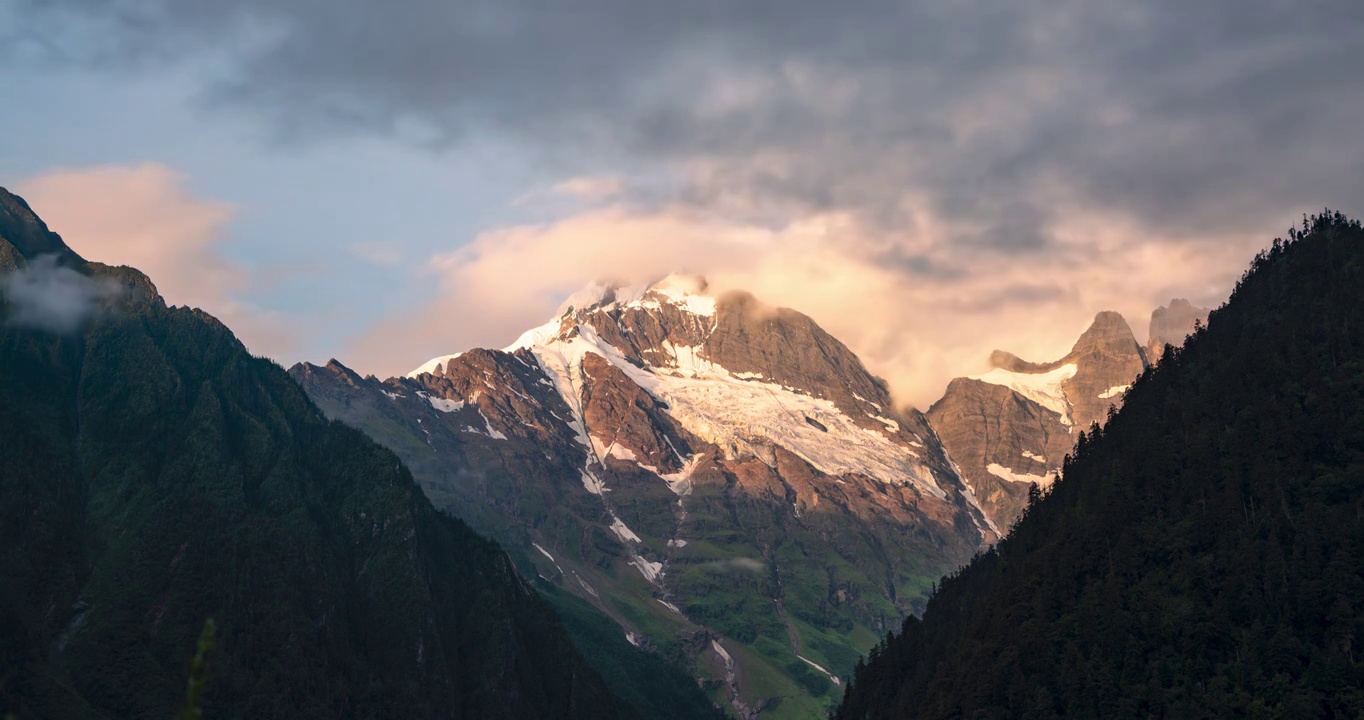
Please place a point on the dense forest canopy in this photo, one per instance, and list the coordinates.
(1201, 555)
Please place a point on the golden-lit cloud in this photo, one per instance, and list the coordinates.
(142, 215)
(917, 306)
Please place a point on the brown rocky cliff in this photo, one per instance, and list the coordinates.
(981, 423)
(1106, 356)
(618, 413)
(787, 348)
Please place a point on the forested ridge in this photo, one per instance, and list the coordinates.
(1201, 554)
(154, 475)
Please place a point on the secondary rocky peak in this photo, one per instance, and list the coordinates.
(1107, 358)
(1011, 427)
(1109, 333)
(1171, 324)
(1002, 440)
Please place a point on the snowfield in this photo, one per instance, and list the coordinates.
(1041, 388)
(1004, 473)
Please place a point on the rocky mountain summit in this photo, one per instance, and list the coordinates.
(724, 479)
(1011, 427)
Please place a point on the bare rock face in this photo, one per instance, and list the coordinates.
(1107, 358)
(1001, 441)
(1171, 324)
(10, 257)
(628, 421)
(787, 348)
(1010, 428)
(695, 467)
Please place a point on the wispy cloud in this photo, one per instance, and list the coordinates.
(935, 313)
(49, 297)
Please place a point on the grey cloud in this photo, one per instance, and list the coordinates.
(916, 264)
(47, 296)
(1012, 296)
(1222, 115)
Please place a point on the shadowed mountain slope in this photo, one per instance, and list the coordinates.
(154, 474)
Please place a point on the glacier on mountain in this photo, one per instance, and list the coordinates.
(737, 413)
(1044, 388)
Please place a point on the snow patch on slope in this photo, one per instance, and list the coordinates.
(739, 415)
(680, 481)
(441, 404)
(651, 571)
(551, 557)
(1114, 391)
(430, 365)
(487, 428)
(891, 424)
(1004, 473)
(624, 533)
(1041, 388)
(820, 668)
(592, 483)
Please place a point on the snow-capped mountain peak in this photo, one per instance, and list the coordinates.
(647, 435)
(659, 338)
(685, 290)
(750, 382)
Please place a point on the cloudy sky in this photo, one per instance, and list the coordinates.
(385, 182)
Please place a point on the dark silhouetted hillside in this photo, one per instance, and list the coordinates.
(1201, 556)
(153, 474)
